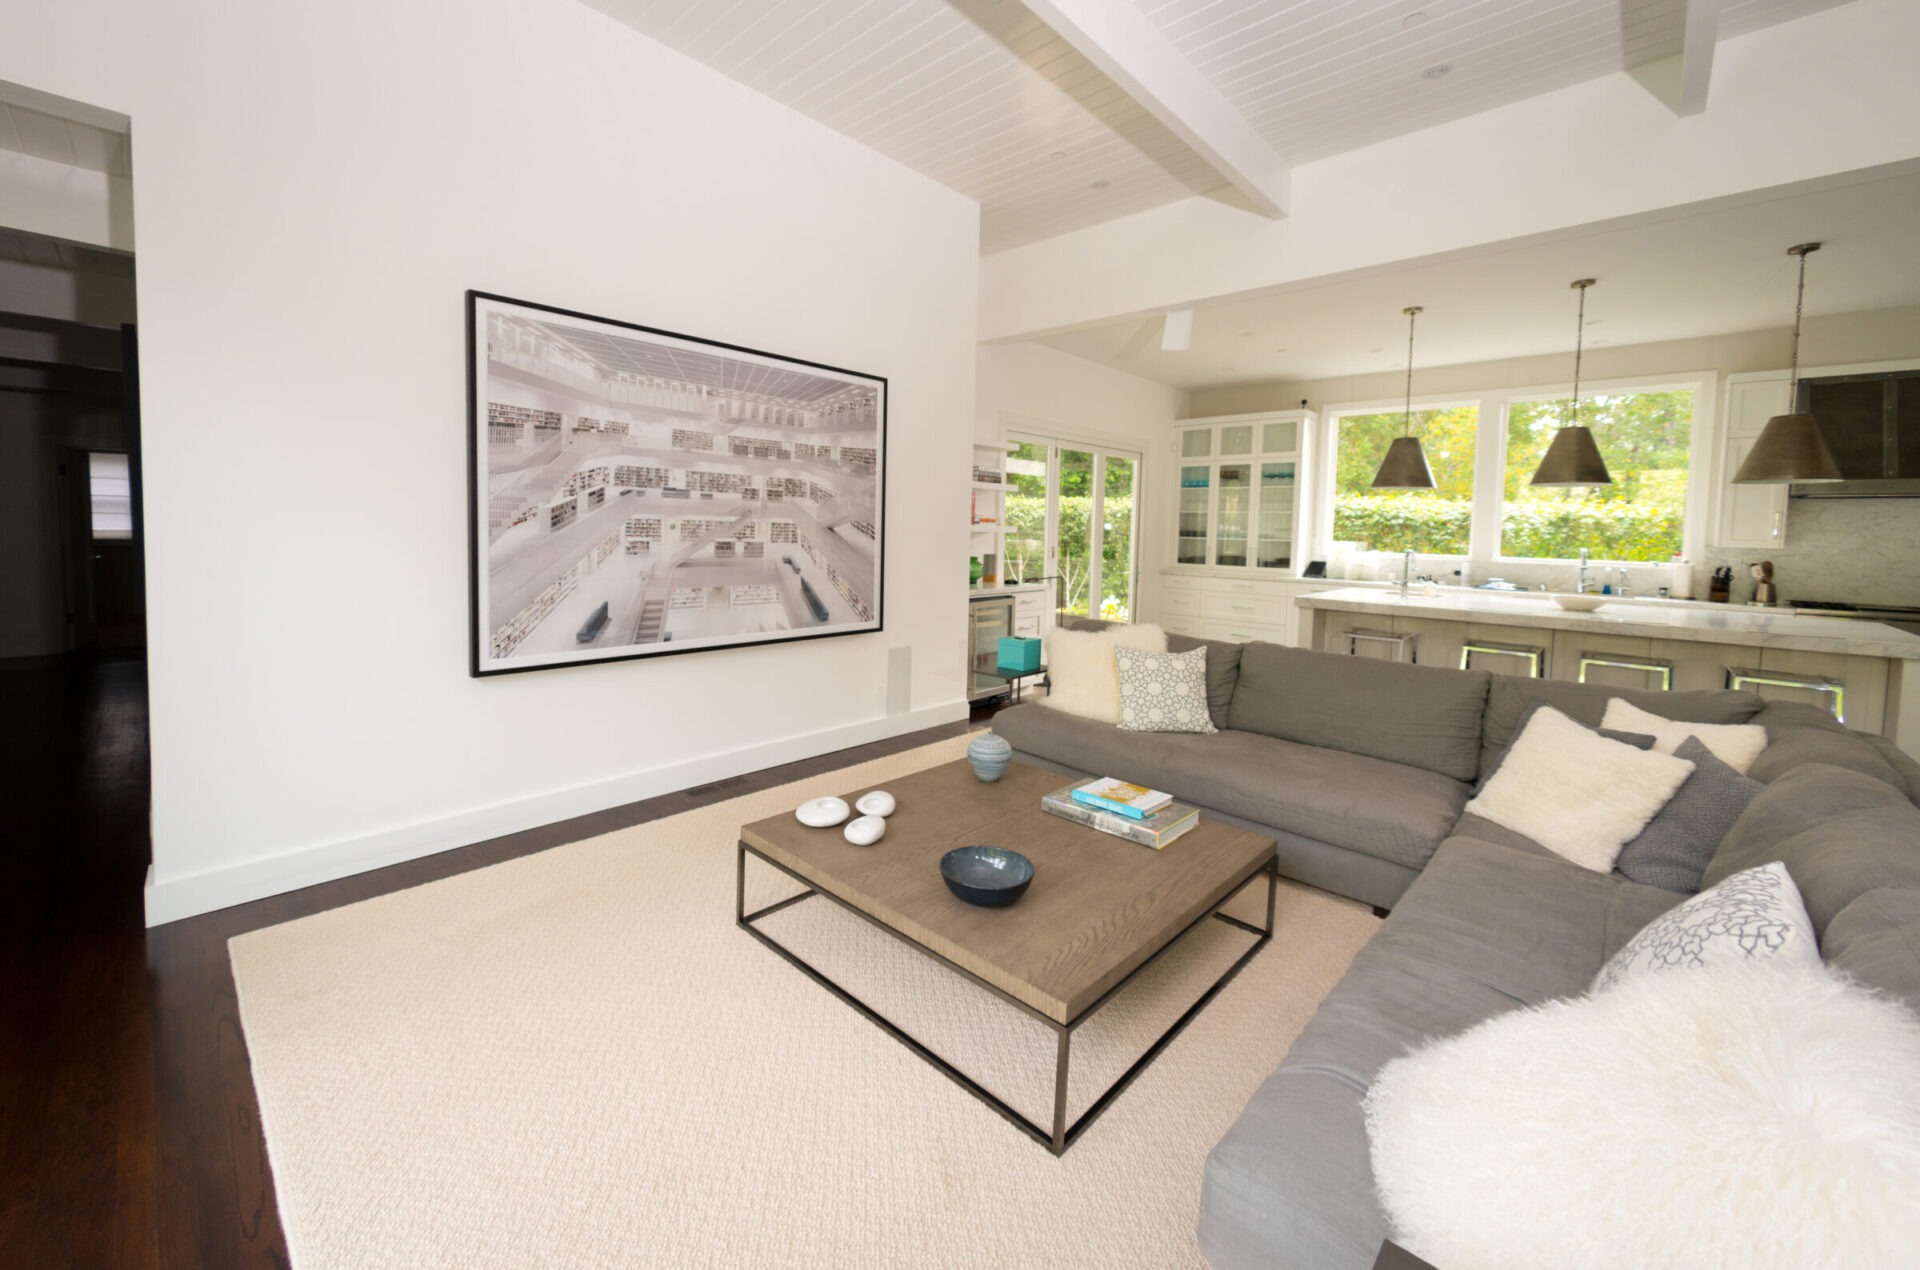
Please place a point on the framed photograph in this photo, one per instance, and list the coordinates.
(637, 493)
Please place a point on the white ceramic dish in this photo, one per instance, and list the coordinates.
(875, 803)
(866, 830)
(821, 813)
(1580, 603)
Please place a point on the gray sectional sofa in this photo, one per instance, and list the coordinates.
(1360, 770)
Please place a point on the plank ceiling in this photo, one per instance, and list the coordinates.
(983, 97)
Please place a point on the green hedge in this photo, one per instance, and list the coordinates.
(1647, 531)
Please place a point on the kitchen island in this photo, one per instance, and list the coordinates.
(1634, 643)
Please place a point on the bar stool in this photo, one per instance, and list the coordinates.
(1835, 689)
(1535, 657)
(1405, 647)
(1624, 661)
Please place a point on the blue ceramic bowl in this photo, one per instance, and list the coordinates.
(991, 877)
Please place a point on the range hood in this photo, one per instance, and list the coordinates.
(1872, 425)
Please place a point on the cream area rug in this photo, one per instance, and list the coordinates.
(576, 1058)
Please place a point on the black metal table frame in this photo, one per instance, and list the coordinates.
(1062, 1134)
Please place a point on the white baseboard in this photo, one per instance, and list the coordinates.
(172, 899)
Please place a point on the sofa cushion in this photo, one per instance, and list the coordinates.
(1483, 930)
(1876, 939)
(1798, 734)
(1510, 695)
(1904, 765)
(1383, 809)
(1840, 834)
(1223, 671)
(1422, 716)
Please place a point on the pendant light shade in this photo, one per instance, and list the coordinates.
(1405, 466)
(1574, 457)
(1790, 447)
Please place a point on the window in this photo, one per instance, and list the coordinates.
(1645, 438)
(1070, 518)
(1434, 522)
(110, 491)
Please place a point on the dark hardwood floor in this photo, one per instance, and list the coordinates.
(129, 1135)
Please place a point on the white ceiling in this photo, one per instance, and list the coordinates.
(1689, 273)
(983, 97)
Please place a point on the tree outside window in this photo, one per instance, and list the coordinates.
(1646, 439)
(1432, 522)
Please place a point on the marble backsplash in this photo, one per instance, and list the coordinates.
(1856, 550)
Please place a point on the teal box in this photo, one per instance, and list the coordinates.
(1019, 654)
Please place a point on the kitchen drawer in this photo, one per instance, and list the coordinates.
(1238, 586)
(1034, 602)
(1026, 627)
(1245, 632)
(1246, 607)
(1186, 603)
(1188, 626)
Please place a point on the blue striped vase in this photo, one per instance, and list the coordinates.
(989, 755)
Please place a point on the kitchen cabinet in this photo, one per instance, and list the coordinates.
(1238, 497)
(1753, 516)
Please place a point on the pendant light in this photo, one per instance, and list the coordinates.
(1405, 466)
(1573, 458)
(1790, 447)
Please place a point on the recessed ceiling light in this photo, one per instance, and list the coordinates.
(1100, 184)
(1279, 350)
(1246, 335)
(1058, 154)
(1376, 350)
(1435, 72)
(1413, 19)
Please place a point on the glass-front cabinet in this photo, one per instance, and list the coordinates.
(1239, 498)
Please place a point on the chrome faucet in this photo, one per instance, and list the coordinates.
(1620, 587)
(1581, 587)
(1406, 572)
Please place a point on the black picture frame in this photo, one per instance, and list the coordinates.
(535, 494)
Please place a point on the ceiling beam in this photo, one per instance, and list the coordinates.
(1120, 40)
(1680, 81)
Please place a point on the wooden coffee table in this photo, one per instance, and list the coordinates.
(1099, 911)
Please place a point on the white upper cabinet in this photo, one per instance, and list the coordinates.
(1239, 491)
(1749, 515)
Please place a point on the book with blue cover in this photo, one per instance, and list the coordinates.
(1121, 797)
(1156, 830)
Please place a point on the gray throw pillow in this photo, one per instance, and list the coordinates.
(1672, 851)
(1638, 740)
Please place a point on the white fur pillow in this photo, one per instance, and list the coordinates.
(1735, 744)
(1575, 792)
(1753, 1115)
(1082, 676)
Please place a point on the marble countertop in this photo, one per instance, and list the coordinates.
(1654, 619)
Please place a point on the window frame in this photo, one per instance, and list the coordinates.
(1490, 458)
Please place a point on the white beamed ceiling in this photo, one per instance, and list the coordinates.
(980, 94)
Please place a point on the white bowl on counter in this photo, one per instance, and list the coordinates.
(1580, 603)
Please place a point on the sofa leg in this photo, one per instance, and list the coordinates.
(1380, 912)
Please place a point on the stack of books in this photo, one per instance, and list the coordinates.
(1146, 816)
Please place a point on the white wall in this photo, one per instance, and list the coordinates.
(1033, 388)
(315, 187)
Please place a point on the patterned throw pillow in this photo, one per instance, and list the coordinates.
(1163, 692)
(1752, 916)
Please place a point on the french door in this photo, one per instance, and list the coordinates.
(1072, 511)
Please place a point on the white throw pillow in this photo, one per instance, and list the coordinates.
(1751, 1115)
(1082, 676)
(1755, 915)
(1735, 744)
(1163, 692)
(1575, 792)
